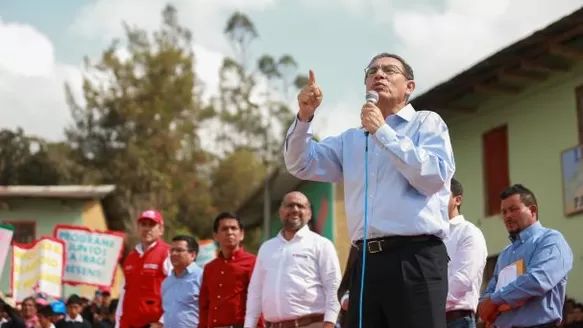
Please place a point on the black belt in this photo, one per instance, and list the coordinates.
(457, 314)
(378, 245)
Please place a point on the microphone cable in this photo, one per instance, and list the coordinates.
(364, 245)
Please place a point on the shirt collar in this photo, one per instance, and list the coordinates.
(78, 318)
(405, 113)
(457, 220)
(189, 269)
(140, 248)
(528, 232)
(304, 231)
(238, 252)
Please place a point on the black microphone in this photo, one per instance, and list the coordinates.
(373, 98)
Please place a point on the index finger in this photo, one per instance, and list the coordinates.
(311, 78)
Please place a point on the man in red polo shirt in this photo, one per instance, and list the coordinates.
(223, 293)
(140, 301)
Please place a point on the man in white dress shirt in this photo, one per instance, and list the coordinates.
(297, 274)
(466, 247)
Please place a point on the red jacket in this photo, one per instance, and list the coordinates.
(142, 300)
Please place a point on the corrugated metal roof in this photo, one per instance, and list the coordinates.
(68, 191)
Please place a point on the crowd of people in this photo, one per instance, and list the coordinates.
(415, 261)
(40, 311)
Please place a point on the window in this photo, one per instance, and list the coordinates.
(24, 231)
(496, 175)
(579, 104)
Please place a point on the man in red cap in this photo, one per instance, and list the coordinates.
(140, 301)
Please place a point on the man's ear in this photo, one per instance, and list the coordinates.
(458, 200)
(533, 211)
(410, 88)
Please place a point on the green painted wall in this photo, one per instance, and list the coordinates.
(46, 213)
(321, 195)
(541, 124)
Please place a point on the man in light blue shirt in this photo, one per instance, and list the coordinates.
(181, 289)
(536, 297)
(410, 166)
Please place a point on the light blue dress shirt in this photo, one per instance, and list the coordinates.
(547, 260)
(180, 298)
(411, 164)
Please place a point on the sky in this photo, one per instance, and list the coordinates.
(42, 44)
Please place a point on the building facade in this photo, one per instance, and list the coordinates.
(517, 117)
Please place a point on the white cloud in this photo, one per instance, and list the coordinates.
(207, 67)
(333, 119)
(24, 59)
(101, 19)
(441, 43)
(31, 82)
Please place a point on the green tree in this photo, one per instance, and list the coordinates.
(27, 160)
(253, 107)
(234, 177)
(138, 127)
(15, 152)
(253, 103)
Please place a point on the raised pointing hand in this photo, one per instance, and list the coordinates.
(309, 98)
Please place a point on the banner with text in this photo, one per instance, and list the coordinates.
(6, 232)
(37, 268)
(92, 256)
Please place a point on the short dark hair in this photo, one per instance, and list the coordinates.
(45, 311)
(226, 215)
(408, 70)
(526, 195)
(74, 299)
(191, 243)
(456, 188)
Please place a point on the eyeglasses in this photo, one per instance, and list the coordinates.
(178, 250)
(387, 69)
(292, 205)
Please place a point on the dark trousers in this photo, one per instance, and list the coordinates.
(405, 285)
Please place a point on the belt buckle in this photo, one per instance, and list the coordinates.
(375, 246)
